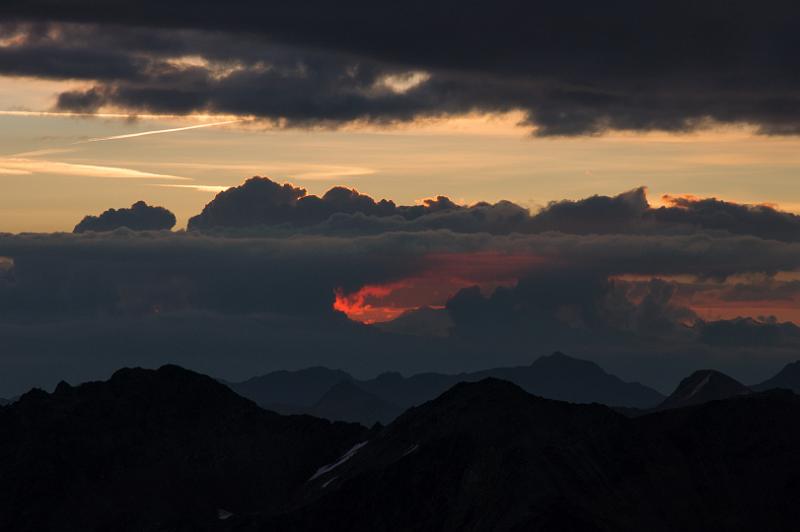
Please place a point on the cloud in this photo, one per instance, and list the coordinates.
(749, 332)
(140, 217)
(239, 301)
(263, 202)
(710, 213)
(513, 284)
(572, 69)
(341, 211)
(22, 165)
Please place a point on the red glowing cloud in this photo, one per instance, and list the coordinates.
(441, 276)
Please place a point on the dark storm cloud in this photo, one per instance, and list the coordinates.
(123, 272)
(139, 217)
(569, 301)
(749, 332)
(572, 67)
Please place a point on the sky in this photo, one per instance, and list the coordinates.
(52, 178)
(208, 183)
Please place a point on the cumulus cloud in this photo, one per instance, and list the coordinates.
(572, 68)
(261, 202)
(139, 217)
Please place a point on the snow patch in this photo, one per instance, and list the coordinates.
(329, 481)
(699, 386)
(345, 457)
(411, 449)
(223, 514)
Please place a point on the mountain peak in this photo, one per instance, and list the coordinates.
(157, 446)
(788, 378)
(557, 359)
(346, 401)
(702, 386)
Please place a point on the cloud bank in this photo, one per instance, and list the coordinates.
(270, 277)
(573, 68)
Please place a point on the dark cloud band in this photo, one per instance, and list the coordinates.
(572, 67)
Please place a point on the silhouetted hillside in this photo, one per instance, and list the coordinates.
(787, 378)
(703, 386)
(152, 450)
(488, 456)
(171, 450)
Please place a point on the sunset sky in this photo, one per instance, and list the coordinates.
(618, 181)
(53, 176)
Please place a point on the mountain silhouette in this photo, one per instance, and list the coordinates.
(348, 402)
(489, 456)
(152, 450)
(703, 386)
(555, 376)
(172, 450)
(787, 378)
(293, 389)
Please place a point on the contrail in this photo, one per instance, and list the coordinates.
(157, 132)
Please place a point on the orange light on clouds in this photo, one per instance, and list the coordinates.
(441, 277)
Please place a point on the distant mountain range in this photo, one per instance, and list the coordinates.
(555, 376)
(172, 450)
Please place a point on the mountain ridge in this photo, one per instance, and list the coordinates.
(555, 376)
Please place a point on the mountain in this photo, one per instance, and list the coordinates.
(293, 389)
(348, 402)
(787, 378)
(489, 456)
(703, 386)
(558, 376)
(171, 450)
(153, 450)
(4, 402)
(555, 376)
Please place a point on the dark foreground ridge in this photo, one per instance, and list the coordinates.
(172, 450)
(488, 456)
(152, 450)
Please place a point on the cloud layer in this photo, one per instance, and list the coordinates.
(573, 67)
(608, 278)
